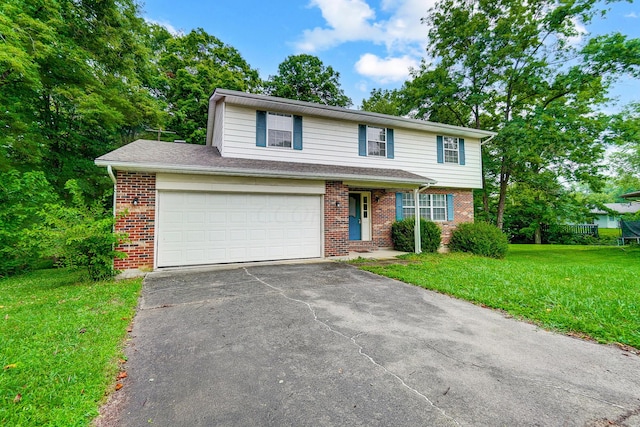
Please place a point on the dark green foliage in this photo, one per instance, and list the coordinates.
(306, 78)
(78, 235)
(479, 238)
(402, 234)
(21, 199)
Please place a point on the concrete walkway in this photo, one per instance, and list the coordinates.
(326, 344)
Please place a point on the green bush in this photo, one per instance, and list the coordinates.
(479, 238)
(79, 235)
(402, 234)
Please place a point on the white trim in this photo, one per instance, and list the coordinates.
(228, 184)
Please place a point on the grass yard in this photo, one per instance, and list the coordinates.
(583, 290)
(61, 339)
(609, 232)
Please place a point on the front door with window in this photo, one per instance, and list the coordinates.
(355, 219)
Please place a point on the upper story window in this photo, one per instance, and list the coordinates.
(450, 150)
(376, 141)
(279, 130)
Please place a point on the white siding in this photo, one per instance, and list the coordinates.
(218, 127)
(333, 142)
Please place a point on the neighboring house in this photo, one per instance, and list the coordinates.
(283, 179)
(608, 220)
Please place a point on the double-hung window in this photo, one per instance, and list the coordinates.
(433, 207)
(279, 130)
(450, 150)
(376, 141)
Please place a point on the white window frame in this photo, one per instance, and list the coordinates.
(451, 150)
(433, 207)
(274, 124)
(381, 143)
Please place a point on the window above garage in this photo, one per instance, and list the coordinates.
(275, 129)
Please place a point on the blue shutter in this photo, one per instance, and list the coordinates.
(449, 207)
(461, 150)
(389, 143)
(261, 128)
(398, 206)
(297, 132)
(440, 149)
(362, 140)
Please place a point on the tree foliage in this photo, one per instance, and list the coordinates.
(306, 78)
(526, 71)
(191, 67)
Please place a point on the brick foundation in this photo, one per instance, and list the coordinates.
(137, 221)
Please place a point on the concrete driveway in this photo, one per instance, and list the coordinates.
(325, 344)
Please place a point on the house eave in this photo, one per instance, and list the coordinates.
(201, 170)
(311, 109)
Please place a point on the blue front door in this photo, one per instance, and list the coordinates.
(355, 229)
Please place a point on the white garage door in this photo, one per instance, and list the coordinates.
(212, 228)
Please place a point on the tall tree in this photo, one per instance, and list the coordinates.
(192, 66)
(519, 68)
(69, 85)
(306, 78)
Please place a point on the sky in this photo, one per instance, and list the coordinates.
(372, 44)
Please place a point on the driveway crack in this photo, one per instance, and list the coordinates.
(355, 343)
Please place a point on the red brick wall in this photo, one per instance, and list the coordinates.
(336, 219)
(462, 210)
(139, 221)
(383, 214)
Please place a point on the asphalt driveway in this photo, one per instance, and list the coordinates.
(326, 344)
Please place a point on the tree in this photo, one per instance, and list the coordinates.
(386, 101)
(69, 86)
(191, 67)
(306, 78)
(513, 67)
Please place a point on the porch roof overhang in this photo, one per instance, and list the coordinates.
(157, 156)
(632, 195)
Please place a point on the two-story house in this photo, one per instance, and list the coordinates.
(282, 179)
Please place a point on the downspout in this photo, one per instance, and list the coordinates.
(416, 228)
(113, 178)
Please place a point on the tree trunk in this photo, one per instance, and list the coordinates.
(538, 235)
(504, 182)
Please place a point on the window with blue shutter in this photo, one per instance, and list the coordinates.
(362, 140)
(261, 128)
(297, 132)
(461, 150)
(390, 145)
(449, 207)
(450, 150)
(440, 149)
(399, 215)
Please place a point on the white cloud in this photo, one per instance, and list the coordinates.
(356, 20)
(385, 70)
(631, 15)
(166, 25)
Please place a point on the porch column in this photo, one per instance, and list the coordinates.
(416, 230)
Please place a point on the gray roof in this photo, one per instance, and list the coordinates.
(312, 109)
(621, 208)
(631, 195)
(157, 156)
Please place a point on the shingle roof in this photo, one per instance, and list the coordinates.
(633, 194)
(621, 208)
(157, 156)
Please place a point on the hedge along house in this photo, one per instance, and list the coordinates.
(281, 179)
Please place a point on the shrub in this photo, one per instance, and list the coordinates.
(79, 235)
(402, 234)
(479, 238)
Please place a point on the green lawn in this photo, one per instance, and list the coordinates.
(61, 339)
(586, 290)
(609, 232)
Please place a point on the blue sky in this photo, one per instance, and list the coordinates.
(370, 43)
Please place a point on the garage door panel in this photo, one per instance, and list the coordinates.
(209, 228)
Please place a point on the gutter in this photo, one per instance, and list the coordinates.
(416, 226)
(260, 173)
